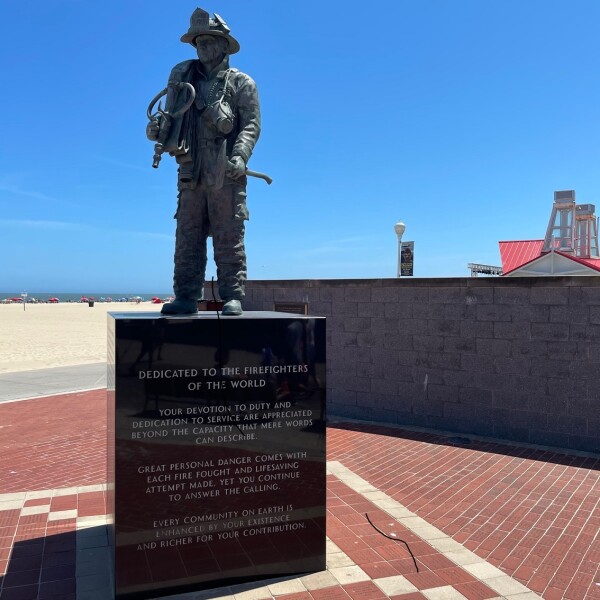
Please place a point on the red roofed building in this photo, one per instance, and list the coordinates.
(515, 253)
(569, 248)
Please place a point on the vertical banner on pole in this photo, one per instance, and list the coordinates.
(407, 259)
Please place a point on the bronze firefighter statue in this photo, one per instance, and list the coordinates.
(210, 124)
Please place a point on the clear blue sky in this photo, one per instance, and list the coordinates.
(459, 117)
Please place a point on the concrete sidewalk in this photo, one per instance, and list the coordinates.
(483, 519)
(45, 382)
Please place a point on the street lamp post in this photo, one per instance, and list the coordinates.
(399, 228)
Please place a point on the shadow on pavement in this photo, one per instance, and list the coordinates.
(42, 567)
(549, 455)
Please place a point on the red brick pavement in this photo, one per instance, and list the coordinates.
(379, 556)
(533, 513)
(66, 433)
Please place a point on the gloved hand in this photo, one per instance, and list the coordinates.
(236, 167)
(153, 128)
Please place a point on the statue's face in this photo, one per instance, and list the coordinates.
(210, 47)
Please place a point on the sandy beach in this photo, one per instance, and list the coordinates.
(56, 335)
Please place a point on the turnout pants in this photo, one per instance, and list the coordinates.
(221, 213)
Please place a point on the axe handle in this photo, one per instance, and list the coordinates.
(259, 176)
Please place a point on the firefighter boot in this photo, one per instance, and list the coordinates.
(232, 308)
(180, 306)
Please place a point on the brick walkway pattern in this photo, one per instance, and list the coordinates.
(533, 513)
(483, 520)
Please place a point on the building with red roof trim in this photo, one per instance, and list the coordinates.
(525, 259)
(570, 246)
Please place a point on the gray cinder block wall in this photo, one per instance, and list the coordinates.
(512, 358)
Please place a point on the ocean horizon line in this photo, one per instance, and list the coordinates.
(65, 296)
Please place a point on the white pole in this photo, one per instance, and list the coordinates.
(399, 228)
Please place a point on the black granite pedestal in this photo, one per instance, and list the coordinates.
(216, 436)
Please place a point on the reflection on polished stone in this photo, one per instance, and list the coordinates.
(216, 449)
